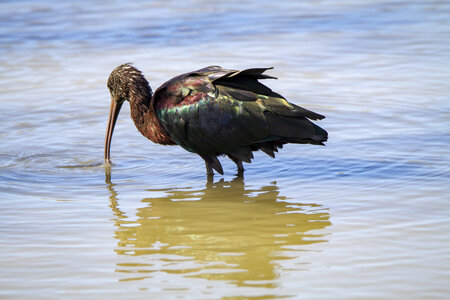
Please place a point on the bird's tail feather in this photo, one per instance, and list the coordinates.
(295, 130)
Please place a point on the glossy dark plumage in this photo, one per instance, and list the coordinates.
(213, 112)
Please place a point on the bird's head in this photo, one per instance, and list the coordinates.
(124, 83)
(119, 82)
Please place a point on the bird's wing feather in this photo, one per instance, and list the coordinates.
(215, 111)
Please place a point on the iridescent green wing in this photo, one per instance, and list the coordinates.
(216, 111)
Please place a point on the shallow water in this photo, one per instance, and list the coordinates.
(366, 217)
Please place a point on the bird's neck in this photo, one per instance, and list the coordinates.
(140, 96)
(143, 114)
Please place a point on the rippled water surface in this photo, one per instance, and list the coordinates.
(366, 217)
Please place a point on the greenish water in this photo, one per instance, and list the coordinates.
(366, 217)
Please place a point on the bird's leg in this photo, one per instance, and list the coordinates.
(211, 162)
(209, 169)
(209, 172)
(239, 165)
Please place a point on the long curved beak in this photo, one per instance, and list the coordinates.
(113, 114)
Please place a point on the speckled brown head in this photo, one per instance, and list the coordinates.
(124, 83)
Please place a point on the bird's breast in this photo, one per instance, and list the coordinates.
(154, 131)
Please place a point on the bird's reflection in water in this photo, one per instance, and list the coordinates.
(225, 231)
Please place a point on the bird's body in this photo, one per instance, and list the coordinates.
(213, 112)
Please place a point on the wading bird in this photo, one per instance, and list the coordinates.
(212, 112)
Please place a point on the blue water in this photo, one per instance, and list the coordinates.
(364, 217)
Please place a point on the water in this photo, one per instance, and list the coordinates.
(366, 217)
